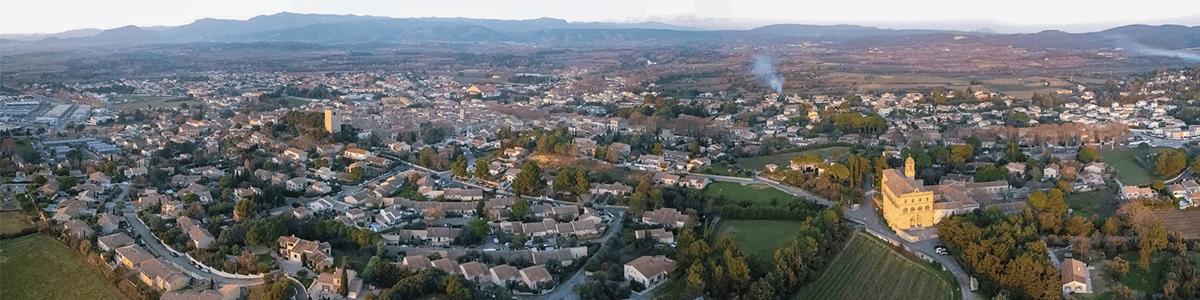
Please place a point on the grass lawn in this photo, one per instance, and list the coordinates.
(1128, 170)
(759, 163)
(758, 193)
(39, 267)
(758, 236)
(1140, 281)
(296, 102)
(1087, 203)
(870, 269)
(12, 222)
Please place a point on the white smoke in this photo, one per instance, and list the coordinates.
(1129, 44)
(764, 70)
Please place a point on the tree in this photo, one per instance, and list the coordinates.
(1118, 267)
(356, 174)
(1153, 240)
(1169, 162)
(189, 197)
(582, 184)
(480, 227)
(1087, 155)
(529, 180)
(975, 143)
(658, 149)
(520, 208)
(1013, 153)
(244, 210)
(838, 171)
(991, 173)
(1157, 185)
(481, 168)
(460, 166)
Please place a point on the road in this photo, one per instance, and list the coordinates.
(566, 288)
(182, 262)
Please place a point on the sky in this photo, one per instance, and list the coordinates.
(1010, 16)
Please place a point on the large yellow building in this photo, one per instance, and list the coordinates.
(908, 203)
(333, 121)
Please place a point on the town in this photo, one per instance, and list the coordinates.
(576, 183)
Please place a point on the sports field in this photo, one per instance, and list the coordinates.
(759, 236)
(39, 267)
(757, 193)
(870, 269)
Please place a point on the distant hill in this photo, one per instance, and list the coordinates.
(352, 29)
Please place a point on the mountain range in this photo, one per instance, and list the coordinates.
(352, 29)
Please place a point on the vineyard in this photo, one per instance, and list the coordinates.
(870, 269)
(1181, 221)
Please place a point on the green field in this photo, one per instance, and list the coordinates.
(1128, 170)
(870, 269)
(1142, 282)
(758, 236)
(12, 222)
(1087, 203)
(785, 159)
(296, 102)
(758, 193)
(39, 267)
(141, 101)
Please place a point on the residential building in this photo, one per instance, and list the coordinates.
(1075, 277)
(312, 254)
(532, 276)
(665, 216)
(503, 274)
(113, 241)
(649, 270)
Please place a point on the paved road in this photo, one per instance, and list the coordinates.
(182, 263)
(566, 288)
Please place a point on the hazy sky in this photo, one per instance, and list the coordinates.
(47, 16)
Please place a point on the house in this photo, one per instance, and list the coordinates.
(462, 194)
(201, 238)
(99, 178)
(133, 255)
(696, 182)
(388, 216)
(658, 234)
(649, 270)
(515, 153)
(1095, 167)
(665, 216)
(356, 154)
(78, 229)
(503, 274)
(399, 147)
(616, 189)
(1075, 277)
(416, 263)
(475, 271)
(296, 184)
(1134, 192)
(1051, 171)
(1015, 167)
(329, 284)
(108, 222)
(310, 253)
(439, 236)
(532, 276)
(1178, 190)
(450, 266)
(666, 179)
(320, 187)
(296, 154)
(156, 274)
(301, 212)
(114, 241)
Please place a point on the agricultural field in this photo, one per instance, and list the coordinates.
(757, 193)
(56, 267)
(13, 222)
(785, 159)
(1129, 172)
(1182, 221)
(869, 82)
(142, 101)
(758, 236)
(1095, 202)
(869, 269)
(1025, 87)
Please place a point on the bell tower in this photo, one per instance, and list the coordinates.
(910, 168)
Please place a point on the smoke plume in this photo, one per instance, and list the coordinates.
(1129, 44)
(764, 70)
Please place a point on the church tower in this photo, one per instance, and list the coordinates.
(910, 168)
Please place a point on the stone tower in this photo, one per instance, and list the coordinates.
(333, 121)
(910, 168)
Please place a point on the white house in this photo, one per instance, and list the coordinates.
(649, 270)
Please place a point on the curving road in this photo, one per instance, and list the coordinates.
(155, 246)
(566, 288)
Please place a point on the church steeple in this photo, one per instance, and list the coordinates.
(910, 168)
